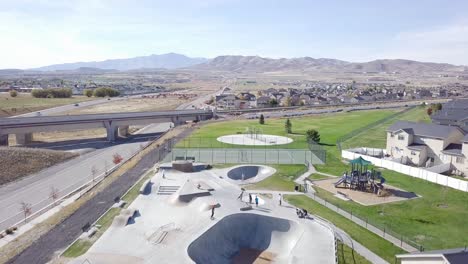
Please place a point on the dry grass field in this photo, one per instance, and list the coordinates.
(131, 105)
(31, 160)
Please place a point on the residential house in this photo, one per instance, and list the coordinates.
(263, 101)
(453, 113)
(426, 145)
(226, 101)
(446, 256)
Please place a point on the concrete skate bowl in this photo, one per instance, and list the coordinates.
(246, 238)
(250, 172)
(256, 140)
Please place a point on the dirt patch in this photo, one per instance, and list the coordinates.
(16, 163)
(392, 194)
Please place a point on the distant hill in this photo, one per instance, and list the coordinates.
(167, 61)
(260, 64)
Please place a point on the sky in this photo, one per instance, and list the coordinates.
(35, 33)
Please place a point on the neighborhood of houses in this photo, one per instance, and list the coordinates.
(328, 95)
(442, 143)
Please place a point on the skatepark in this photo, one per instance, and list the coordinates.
(170, 222)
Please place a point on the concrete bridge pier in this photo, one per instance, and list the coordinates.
(3, 140)
(23, 138)
(123, 131)
(112, 131)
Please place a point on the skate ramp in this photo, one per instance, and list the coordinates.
(244, 237)
(247, 172)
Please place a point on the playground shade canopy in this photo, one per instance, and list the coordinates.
(360, 161)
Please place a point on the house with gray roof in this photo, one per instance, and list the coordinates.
(453, 113)
(423, 144)
(446, 256)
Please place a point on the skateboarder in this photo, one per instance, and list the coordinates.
(256, 200)
(241, 194)
(212, 212)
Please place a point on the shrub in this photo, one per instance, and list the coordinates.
(13, 93)
(52, 93)
(105, 91)
(116, 158)
(9, 231)
(313, 135)
(88, 92)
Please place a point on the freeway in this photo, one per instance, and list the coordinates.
(36, 189)
(67, 176)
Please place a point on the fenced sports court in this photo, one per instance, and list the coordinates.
(210, 150)
(244, 155)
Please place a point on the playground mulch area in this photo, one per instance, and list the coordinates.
(366, 198)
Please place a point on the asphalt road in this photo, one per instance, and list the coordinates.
(43, 249)
(36, 189)
(67, 176)
(65, 108)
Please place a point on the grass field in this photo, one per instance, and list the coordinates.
(25, 103)
(435, 220)
(374, 243)
(282, 180)
(330, 127)
(347, 256)
(376, 137)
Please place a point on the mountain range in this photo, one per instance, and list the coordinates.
(166, 61)
(256, 64)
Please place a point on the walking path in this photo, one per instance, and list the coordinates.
(311, 194)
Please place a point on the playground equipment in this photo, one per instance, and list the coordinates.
(361, 178)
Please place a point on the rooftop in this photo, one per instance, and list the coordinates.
(423, 129)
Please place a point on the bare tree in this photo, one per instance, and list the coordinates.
(54, 193)
(26, 208)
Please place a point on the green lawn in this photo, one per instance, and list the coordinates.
(347, 256)
(424, 220)
(330, 126)
(376, 137)
(374, 243)
(25, 103)
(282, 180)
(316, 176)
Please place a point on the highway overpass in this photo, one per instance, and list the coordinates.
(115, 123)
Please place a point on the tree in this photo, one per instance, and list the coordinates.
(288, 126)
(438, 107)
(273, 102)
(88, 92)
(313, 135)
(13, 93)
(26, 208)
(261, 120)
(116, 158)
(54, 193)
(429, 111)
(288, 101)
